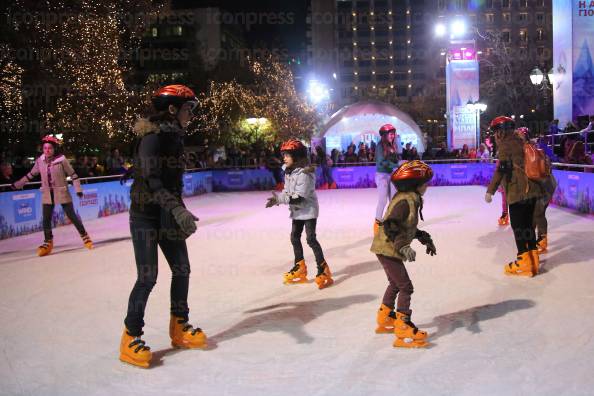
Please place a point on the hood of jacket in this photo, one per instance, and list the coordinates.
(144, 126)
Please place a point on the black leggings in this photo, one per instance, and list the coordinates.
(521, 216)
(312, 241)
(48, 210)
(147, 235)
(540, 217)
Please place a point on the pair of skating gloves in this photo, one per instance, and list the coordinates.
(425, 239)
(185, 219)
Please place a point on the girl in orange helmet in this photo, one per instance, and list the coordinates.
(300, 194)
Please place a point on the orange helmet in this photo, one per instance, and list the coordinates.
(387, 128)
(51, 139)
(176, 95)
(412, 173)
(502, 122)
(294, 147)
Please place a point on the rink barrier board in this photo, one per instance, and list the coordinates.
(20, 211)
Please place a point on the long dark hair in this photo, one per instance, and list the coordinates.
(387, 146)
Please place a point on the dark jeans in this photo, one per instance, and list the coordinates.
(48, 210)
(540, 217)
(399, 284)
(147, 234)
(312, 241)
(521, 216)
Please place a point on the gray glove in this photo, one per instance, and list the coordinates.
(185, 219)
(488, 198)
(272, 200)
(408, 253)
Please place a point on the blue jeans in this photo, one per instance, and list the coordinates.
(147, 234)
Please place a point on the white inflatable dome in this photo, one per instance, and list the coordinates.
(361, 122)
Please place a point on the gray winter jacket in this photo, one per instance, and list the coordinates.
(301, 182)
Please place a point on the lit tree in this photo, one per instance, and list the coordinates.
(270, 94)
(83, 64)
(11, 98)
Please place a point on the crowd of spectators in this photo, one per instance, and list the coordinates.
(573, 148)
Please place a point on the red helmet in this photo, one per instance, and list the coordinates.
(294, 147)
(415, 171)
(387, 128)
(502, 122)
(51, 139)
(176, 95)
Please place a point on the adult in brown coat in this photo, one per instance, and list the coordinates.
(521, 194)
(53, 169)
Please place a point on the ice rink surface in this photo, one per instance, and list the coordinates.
(61, 316)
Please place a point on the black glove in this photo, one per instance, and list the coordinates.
(79, 194)
(425, 239)
(185, 219)
(272, 201)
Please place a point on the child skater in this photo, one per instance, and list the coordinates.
(53, 167)
(392, 247)
(299, 193)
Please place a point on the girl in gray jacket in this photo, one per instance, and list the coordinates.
(299, 193)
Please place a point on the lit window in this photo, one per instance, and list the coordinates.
(177, 31)
(154, 32)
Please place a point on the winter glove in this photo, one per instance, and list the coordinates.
(408, 253)
(272, 201)
(426, 240)
(185, 219)
(79, 194)
(488, 198)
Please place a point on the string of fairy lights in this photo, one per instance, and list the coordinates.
(94, 106)
(271, 96)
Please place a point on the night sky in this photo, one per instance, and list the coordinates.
(290, 36)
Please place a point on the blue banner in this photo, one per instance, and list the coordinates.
(20, 211)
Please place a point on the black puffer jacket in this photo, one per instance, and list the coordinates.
(159, 166)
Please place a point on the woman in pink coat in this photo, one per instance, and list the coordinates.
(54, 168)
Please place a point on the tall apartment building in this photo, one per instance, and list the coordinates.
(375, 48)
(387, 49)
(524, 28)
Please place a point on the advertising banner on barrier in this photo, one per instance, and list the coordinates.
(20, 211)
(575, 190)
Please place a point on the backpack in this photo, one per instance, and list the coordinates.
(536, 167)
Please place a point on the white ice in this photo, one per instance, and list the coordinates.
(61, 316)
